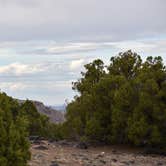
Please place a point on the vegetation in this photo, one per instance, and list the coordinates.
(122, 103)
(17, 122)
(14, 145)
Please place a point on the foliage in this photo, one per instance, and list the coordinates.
(122, 103)
(39, 124)
(36, 121)
(14, 146)
(17, 122)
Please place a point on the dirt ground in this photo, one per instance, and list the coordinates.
(55, 154)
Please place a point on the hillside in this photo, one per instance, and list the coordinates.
(54, 115)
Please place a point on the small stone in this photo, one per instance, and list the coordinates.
(82, 145)
(114, 151)
(114, 160)
(37, 156)
(54, 163)
(132, 161)
(102, 161)
(37, 142)
(126, 163)
(85, 158)
(102, 153)
(41, 147)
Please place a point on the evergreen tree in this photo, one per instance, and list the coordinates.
(14, 146)
(125, 104)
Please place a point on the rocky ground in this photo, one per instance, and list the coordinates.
(62, 153)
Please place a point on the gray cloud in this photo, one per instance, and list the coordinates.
(81, 20)
(79, 50)
(45, 43)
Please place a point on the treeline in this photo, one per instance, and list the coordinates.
(17, 123)
(122, 103)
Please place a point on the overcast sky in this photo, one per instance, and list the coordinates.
(45, 43)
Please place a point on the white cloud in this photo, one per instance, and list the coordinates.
(13, 86)
(69, 50)
(74, 47)
(19, 69)
(17, 86)
(76, 64)
(51, 86)
(50, 47)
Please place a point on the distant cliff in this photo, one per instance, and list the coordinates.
(54, 115)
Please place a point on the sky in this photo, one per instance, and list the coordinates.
(44, 44)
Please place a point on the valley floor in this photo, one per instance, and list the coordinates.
(45, 153)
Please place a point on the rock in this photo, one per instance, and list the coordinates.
(114, 151)
(54, 163)
(132, 161)
(114, 160)
(126, 163)
(37, 142)
(41, 147)
(37, 156)
(82, 145)
(63, 142)
(155, 151)
(100, 155)
(85, 158)
(33, 138)
(102, 161)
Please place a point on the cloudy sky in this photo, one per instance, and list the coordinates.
(45, 43)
